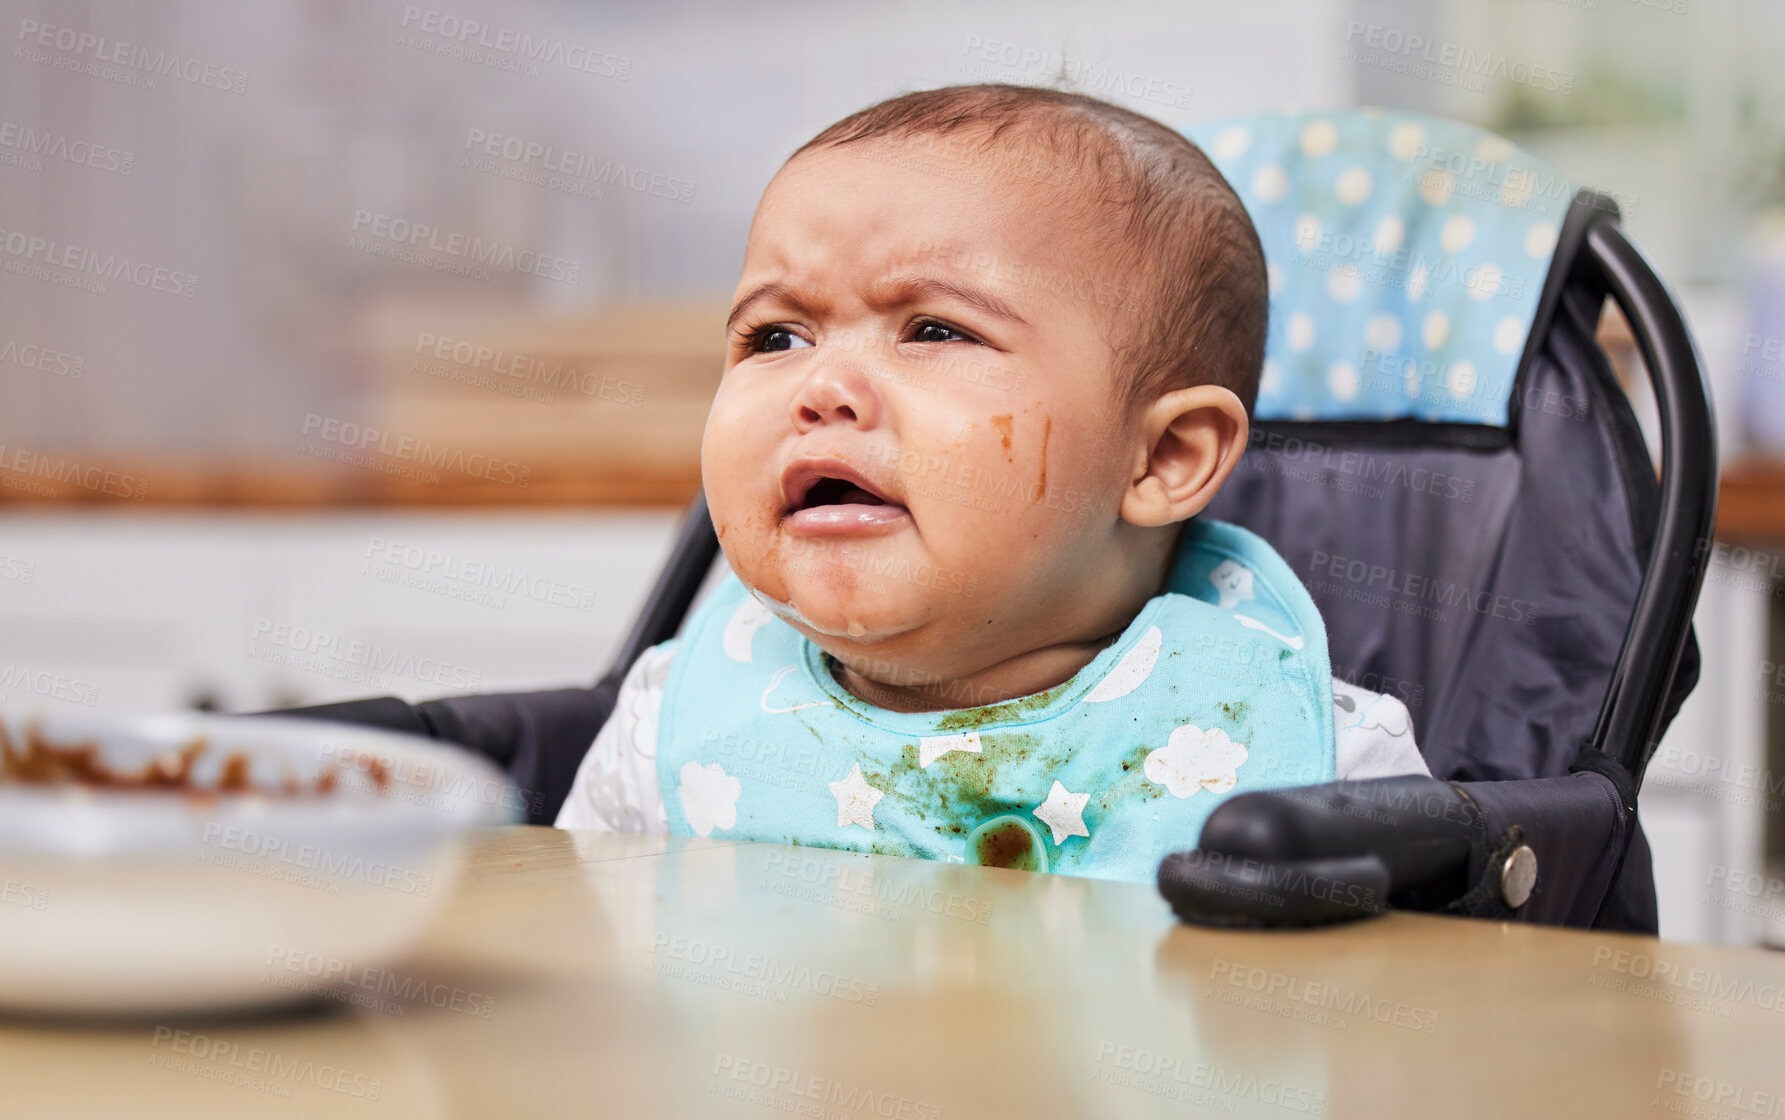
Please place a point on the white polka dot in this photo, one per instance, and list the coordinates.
(1410, 378)
(1231, 143)
(1540, 240)
(1457, 233)
(1461, 381)
(1435, 186)
(1416, 283)
(1274, 277)
(1494, 148)
(1319, 138)
(1353, 186)
(1271, 379)
(1483, 281)
(1269, 183)
(1389, 232)
(1301, 331)
(1341, 379)
(1343, 283)
(1509, 335)
(1435, 330)
(1517, 188)
(1303, 412)
(1405, 140)
(1382, 332)
(1307, 232)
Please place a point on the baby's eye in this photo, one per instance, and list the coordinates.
(769, 340)
(932, 330)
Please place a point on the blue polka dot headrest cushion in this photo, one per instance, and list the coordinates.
(1406, 254)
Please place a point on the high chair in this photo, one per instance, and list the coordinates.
(1442, 453)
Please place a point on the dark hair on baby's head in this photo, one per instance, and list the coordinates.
(1183, 240)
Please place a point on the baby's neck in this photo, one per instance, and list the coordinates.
(1031, 671)
(1024, 675)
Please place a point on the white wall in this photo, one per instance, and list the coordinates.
(149, 611)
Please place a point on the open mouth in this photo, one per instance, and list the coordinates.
(839, 492)
(830, 497)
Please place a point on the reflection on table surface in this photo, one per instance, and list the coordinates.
(621, 975)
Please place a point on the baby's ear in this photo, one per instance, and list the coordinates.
(1186, 444)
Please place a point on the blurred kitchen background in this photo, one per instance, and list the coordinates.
(188, 516)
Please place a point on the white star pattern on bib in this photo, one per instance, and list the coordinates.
(1064, 812)
(932, 747)
(855, 799)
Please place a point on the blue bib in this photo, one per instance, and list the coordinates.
(1219, 686)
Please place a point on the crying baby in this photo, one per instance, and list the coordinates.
(993, 350)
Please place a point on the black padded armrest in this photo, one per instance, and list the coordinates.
(1542, 850)
(539, 738)
(387, 712)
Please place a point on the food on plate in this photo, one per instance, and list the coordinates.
(39, 762)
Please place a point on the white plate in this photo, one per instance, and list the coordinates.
(147, 901)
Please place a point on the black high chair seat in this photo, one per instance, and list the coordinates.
(1505, 561)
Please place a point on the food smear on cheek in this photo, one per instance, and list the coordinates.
(1047, 430)
(1002, 423)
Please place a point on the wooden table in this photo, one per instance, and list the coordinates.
(586, 974)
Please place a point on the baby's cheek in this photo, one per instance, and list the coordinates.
(756, 550)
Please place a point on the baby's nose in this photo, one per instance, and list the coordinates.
(835, 394)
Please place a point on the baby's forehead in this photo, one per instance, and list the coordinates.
(1049, 171)
(961, 205)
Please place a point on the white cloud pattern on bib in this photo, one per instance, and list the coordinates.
(1194, 759)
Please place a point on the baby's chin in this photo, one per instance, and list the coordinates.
(838, 607)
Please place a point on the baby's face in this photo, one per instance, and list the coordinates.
(917, 451)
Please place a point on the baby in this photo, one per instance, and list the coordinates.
(993, 349)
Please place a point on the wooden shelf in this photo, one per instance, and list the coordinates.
(301, 485)
(1750, 508)
(1751, 502)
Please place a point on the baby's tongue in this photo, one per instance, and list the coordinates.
(855, 495)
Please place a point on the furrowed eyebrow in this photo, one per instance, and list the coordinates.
(904, 289)
(771, 290)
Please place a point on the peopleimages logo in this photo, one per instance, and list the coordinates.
(325, 975)
(253, 1067)
(412, 237)
(369, 657)
(509, 365)
(504, 48)
(44, 359)
(359, 437)
(1203, 1086)
(1458, 58)
(571, 167)
(432, 785)
(433, 569)
(331, 868)
(76, 46)
(90, 266)
(23, 469)
(30, 144)
(1358, 579)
